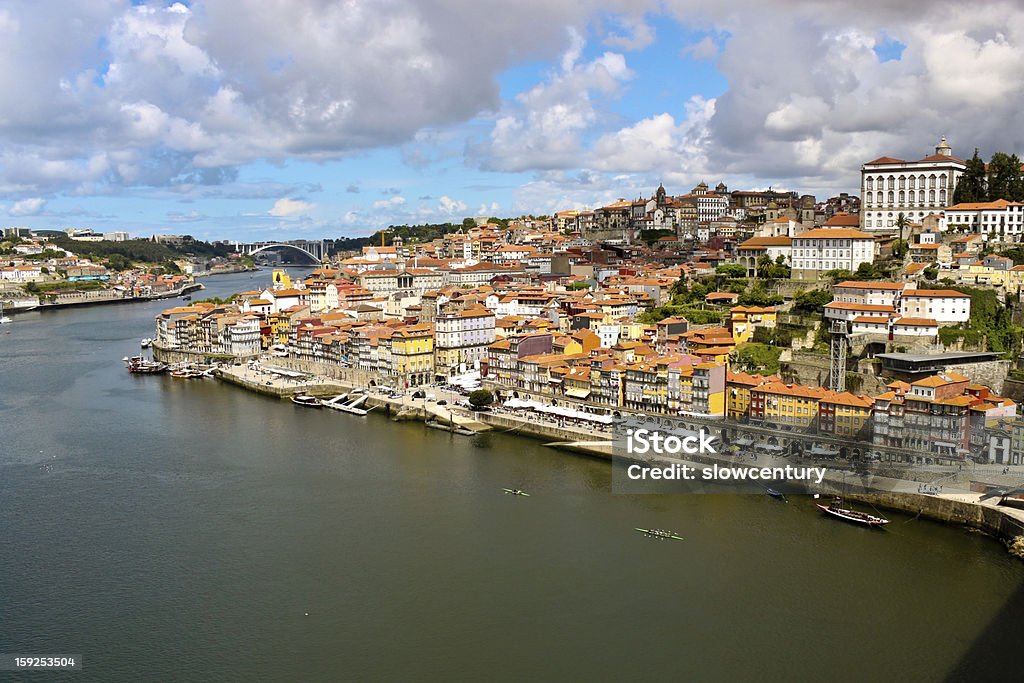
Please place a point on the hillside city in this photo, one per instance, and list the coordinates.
(891, 317)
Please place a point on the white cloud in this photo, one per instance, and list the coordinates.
(390, 202)
(158, 93)
(543, 129)
(27, 207)
(451, 206)
(285, 207)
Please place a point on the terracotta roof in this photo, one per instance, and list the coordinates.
(885, 160)
(755, 242)
(848, 220)
(926, 322)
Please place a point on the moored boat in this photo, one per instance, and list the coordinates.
(774, 493)
(146, 343)
(141, 366)
(836, 510)
(306, 400)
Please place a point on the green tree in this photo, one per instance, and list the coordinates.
(971, 186)
(930, 273)
(759, 358)
(731, 270)
(902, 222)
(481, 398)
(812, 302)
(1004, 177)
(468, 223)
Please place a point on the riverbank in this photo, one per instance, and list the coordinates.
(98, 300)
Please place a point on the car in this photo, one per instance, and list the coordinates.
(442, 402)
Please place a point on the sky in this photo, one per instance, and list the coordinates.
(284, 119)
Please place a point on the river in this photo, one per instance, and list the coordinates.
(186, 529)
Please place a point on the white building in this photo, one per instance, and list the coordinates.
(946, 306)
(823, 249)
(873, 293)
(889, 187)
(461, 340)
(1000, 219)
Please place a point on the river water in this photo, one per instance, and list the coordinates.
(186, 529)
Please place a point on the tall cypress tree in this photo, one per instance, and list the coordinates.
(971, 187)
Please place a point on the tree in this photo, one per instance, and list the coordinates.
(481, 398)
(764, 265)
(468, 223)
(930, 273)
(754, 357)
(731, 270)
(902, 222)
(812, 302)
(971, 187)
(1004, 178)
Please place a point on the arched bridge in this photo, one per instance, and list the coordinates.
(314, 249)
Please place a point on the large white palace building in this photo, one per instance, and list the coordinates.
(889, 187)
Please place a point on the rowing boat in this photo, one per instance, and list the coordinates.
(660, 534)
(516, 492)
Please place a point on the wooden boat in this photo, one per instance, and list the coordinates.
(140, 366)
(660, 534)
(776, 494)
(836, 510)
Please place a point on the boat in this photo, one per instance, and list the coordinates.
(186, 297)
(776, 494)
(516, 492)
(3, 318)
(660, 534)
(306, 400)
(146, 343)
(141, 366)
(836, 510)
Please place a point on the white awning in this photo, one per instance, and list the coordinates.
(578, 393)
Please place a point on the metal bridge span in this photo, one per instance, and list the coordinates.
(315, 249)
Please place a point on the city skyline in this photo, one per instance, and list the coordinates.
(155, 118)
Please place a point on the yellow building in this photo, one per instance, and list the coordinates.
(745, 319)
(786, 404)
(412, 355)
(844, 414)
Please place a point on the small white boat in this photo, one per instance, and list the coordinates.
(146, 343)
(3, 318)
(304, 400)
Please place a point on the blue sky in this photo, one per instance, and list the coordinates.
(250, 120)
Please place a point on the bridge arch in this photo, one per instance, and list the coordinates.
(265, 247)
